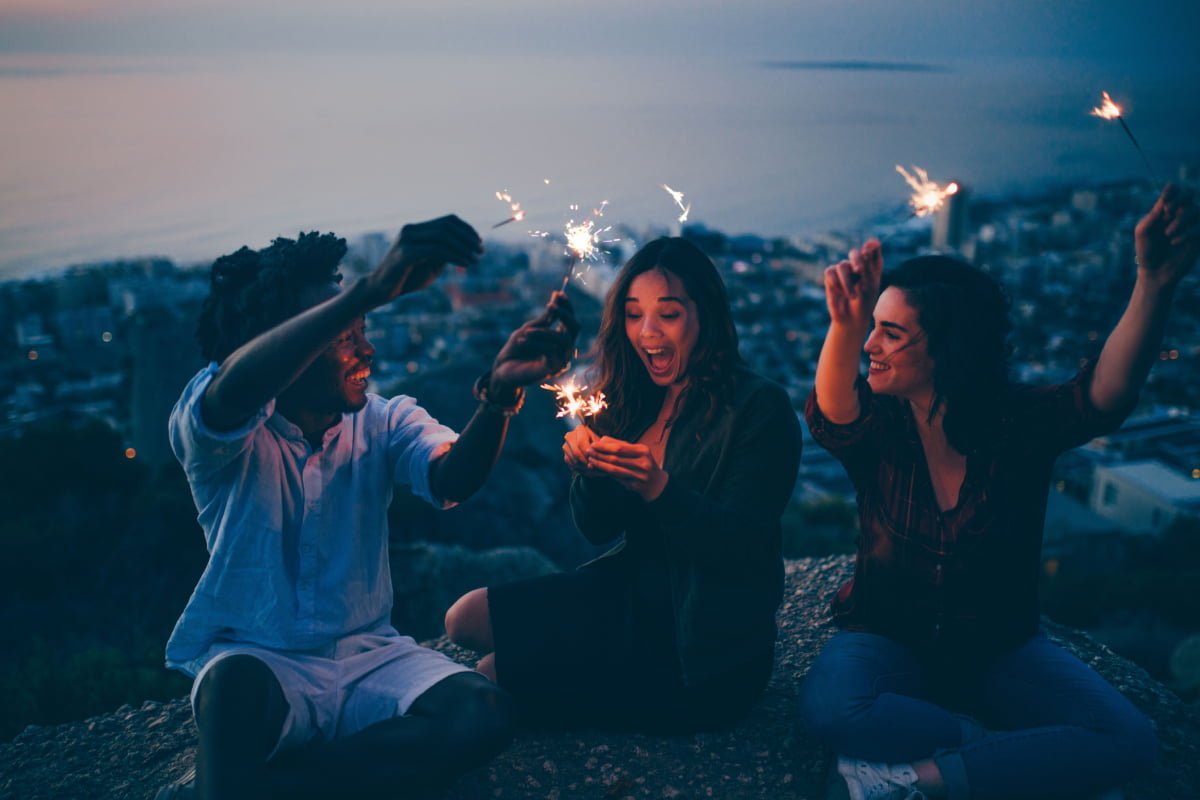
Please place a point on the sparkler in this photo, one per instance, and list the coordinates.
(678, 198)
(573, 403)
(1110, 110)
(514, 206)
(583, 239)
(927, 196)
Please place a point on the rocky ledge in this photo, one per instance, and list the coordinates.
(132, 751)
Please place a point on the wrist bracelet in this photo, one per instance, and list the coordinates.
(481, 394)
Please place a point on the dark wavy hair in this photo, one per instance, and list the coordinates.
(633, 398)
(964, 313)
(252, 291)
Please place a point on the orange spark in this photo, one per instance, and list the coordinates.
(927, 196)
(517, 215)
(572, 402)
(1107, 110)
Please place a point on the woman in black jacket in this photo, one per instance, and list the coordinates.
(688, 470)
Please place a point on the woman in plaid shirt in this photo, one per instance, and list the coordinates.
(951, 462)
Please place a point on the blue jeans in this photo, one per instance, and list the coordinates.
(1060, 729)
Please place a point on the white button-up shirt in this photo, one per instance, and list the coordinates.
(297, 538)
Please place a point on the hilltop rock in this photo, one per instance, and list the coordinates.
(131, 752)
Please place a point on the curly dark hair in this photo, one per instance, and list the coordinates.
(633, 398)
(252, 291)
(964, 313)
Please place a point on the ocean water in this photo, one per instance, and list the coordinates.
(107, 157)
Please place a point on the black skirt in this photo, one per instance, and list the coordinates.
(596, 647)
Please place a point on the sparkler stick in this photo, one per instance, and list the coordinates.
(1110, 110)
(573, 403)
(514, 206)
(678, 198)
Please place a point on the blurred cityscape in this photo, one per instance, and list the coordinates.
(113, 342)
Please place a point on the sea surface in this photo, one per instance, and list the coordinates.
(108, 157)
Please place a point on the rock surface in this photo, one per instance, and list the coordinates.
(131, 752)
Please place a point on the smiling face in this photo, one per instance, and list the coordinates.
(336, 382)
(899, 350)
(662, 325)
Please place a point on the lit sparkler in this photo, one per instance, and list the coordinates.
(927, 196)
(518, 213)
(583, 239)
(678, 198)
(572, 402)
(1110, 110)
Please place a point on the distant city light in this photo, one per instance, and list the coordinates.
(130, 452)
(106, 337)
(1196, 473)
(412, 366)
(33, 355)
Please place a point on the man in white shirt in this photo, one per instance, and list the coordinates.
(302, 686)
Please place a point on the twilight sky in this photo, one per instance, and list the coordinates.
(188, 127)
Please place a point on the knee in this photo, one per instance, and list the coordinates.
(468, 623)
(239, 687)
(822, 716)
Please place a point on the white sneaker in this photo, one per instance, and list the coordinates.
(869, 780)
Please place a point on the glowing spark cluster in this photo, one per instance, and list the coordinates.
(518, 213)
(572, 402)
(678, 198)
(1107, 110)
(1110, 110)
(927, 196)
(583, 238)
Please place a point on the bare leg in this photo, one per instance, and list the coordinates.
(469, 625)
(469, 622)
(240, 710)
(459, 724)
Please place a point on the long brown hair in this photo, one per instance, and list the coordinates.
(634, 399)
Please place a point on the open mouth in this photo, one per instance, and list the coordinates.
(359, 377)
(878, 366)
(659, 360)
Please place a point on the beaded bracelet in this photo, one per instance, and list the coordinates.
(481, 394)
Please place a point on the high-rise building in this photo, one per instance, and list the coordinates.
(950, 221)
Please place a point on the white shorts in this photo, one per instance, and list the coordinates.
(370, 677)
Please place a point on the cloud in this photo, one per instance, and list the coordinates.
(863, 66)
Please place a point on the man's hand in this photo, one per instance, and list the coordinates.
(537, 351)
(852, 287)
(420, 253)
(1168, 238)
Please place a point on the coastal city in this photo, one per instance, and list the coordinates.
(113, 342)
